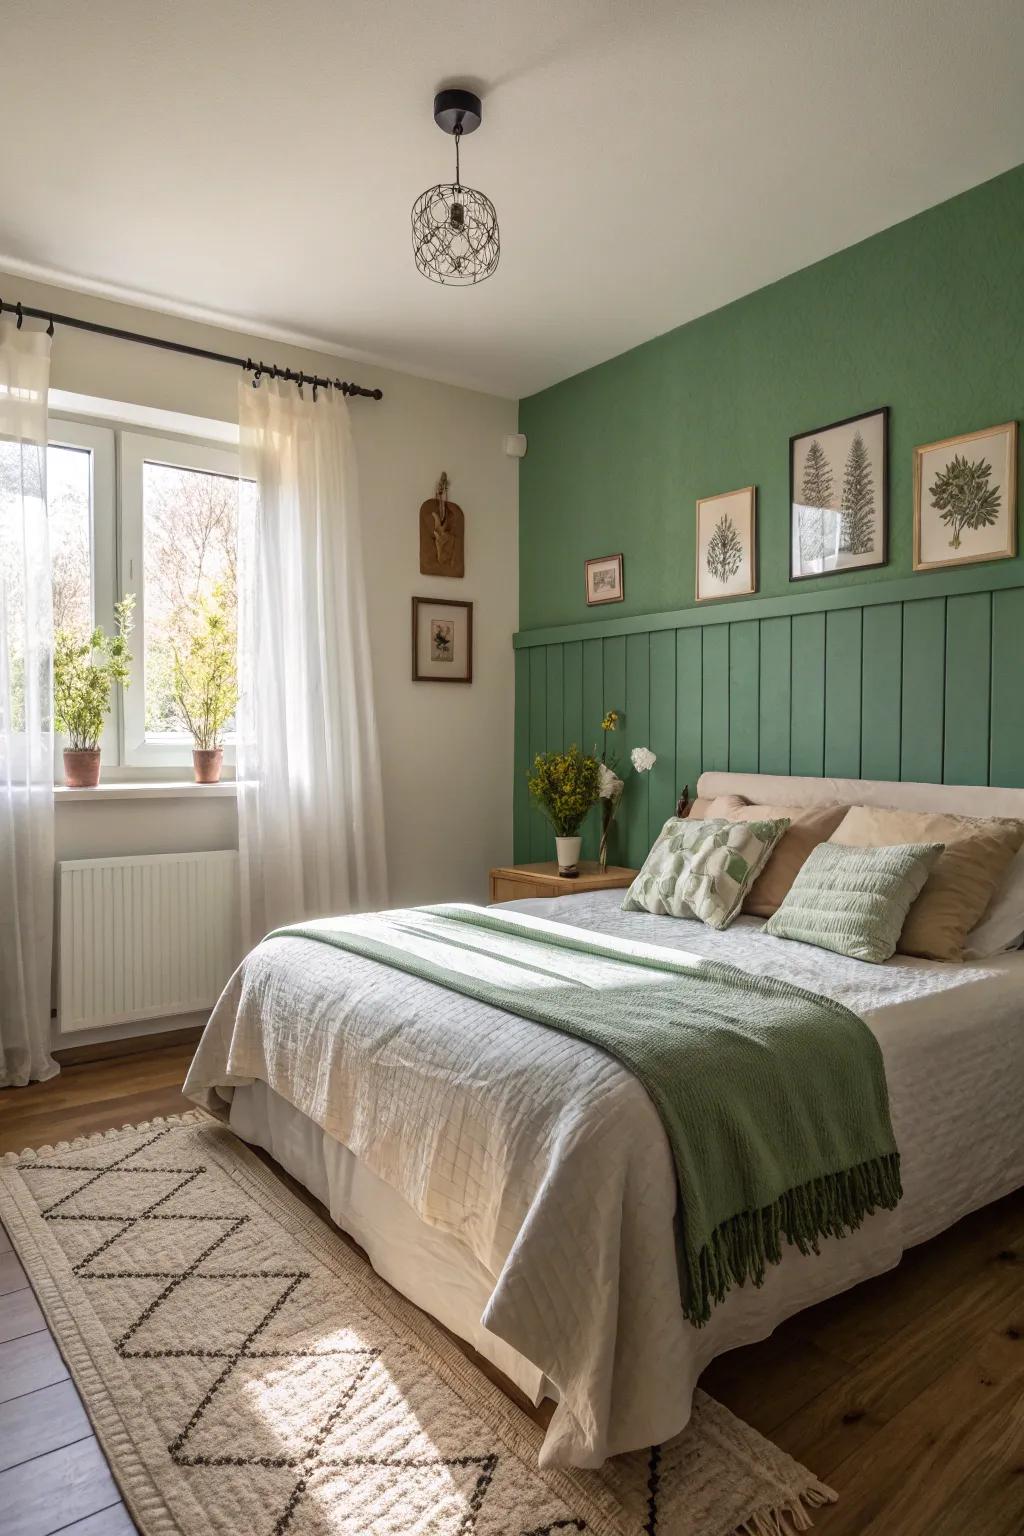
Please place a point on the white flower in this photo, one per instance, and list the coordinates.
(643, 759)
(609, 785)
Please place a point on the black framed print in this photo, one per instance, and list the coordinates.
(442, 640)
(604, 580)
(839, 496)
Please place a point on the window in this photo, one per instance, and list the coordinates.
(165, 529)
(80, 508)
(179, 526)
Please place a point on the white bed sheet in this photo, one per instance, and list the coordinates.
(953, 1042)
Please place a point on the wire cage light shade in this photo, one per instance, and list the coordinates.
(455, 237)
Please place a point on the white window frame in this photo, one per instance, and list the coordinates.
(99, 442)
(136, 450)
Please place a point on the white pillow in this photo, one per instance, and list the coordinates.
(1002, 926)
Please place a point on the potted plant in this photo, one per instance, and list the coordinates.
(84, 672)
(206, 684)
(564, 786)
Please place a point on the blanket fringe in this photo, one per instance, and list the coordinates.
(740, 1249)
(189, 1117)
(791, 1518)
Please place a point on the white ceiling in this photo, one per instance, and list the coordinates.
(649, 161)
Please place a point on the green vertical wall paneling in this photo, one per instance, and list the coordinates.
(614, 662)
(965, 755)
(881, 690)
(807, 670)
(554, 698)
(842, 693)
(572, 697)
(1006, 759)
(774, 695)
(689, 708)
(593, 710)
(520, 794)
(715, 698)
(1006, 764)
(637, 734)
(916, 689)
(663, 788)
(540, 833)
(923, 708)
(744, 690)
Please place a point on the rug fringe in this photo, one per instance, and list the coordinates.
(788, 1519)
(188, 1117)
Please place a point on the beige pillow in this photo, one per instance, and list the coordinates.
(809, 825)
(963, 880)
(699, 808)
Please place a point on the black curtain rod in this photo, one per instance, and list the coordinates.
(24, 311)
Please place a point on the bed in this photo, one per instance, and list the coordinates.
(517, 1184)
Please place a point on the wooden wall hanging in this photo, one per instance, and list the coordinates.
(442, 535)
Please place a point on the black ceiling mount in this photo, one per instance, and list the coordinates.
(457, 110)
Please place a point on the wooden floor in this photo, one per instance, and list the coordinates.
(906, 1394)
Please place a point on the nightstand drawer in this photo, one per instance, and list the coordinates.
(505, 888)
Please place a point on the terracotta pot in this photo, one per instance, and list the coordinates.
(206, 764)
(81, 767)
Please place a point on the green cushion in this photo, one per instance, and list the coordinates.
(854, 901)
(703, 869)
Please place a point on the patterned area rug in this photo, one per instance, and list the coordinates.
(247, 1372)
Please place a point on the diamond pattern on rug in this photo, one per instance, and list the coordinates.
(294, 1409)
(247, 1373)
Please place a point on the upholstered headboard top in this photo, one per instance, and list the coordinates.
(781, 789)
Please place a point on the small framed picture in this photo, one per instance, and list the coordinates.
(727, 545)
(965, 498)
(604, 580)
(839, 496)
(442, 640)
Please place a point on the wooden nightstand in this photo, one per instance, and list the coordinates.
(519, 881)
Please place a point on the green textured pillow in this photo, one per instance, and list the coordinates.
(854, 900)
(703, 868)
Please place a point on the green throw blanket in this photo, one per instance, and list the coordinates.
(773, 1099)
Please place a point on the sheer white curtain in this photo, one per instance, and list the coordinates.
(310, 807)
(26, 723)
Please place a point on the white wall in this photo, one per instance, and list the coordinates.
(446, 750)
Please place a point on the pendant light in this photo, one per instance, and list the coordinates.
(454, 228)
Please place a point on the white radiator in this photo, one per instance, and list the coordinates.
(141, 938)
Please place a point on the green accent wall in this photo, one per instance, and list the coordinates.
(927, 317)
(882, 674)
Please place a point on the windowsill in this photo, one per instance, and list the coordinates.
(149, 789)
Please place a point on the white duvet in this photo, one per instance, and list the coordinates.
(547, 1161)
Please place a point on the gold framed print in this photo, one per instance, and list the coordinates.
(965, 498)
(727, 545)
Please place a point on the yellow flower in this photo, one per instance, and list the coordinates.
(610, 721)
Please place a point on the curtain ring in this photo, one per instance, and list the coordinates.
(314, 391)
(49, 328)
(17, 311)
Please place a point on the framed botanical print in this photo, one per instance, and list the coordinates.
(839, 496)
(965, 498)
(442, 640)
(727, 545)
(604, 580)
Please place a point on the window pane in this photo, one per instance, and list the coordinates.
(189, 530)
(68, 500)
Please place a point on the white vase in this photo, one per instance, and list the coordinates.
(568, 851)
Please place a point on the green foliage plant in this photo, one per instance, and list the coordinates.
(564, 786)
(85, 672)
(206, 673)
(963, 497)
